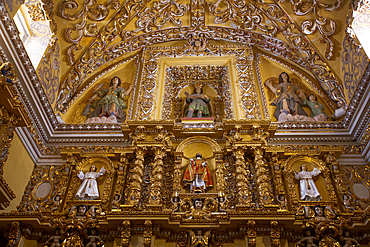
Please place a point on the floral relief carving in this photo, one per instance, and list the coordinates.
(243, 15)
(163, 12)
(319, 22)
(90, 10)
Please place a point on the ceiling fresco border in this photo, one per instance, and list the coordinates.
(305, 53)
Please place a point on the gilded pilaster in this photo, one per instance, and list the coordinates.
(262, 176)
(220, 174)
(157, 176)
(251, 233)
(14, 234)
(243, 194)
(177, 173)
(137, 177)
(148, 233)
(275, 167)
(126, 233)
(275, 234)
(121, 175)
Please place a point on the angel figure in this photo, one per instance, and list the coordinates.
(348, 241)
(288, 96)
(199, 239)
(309, 240)
(54, 240)
(317, 109)
(89, 187)
(198, 210)
(108, 104)
(93, 239)
(198, 106)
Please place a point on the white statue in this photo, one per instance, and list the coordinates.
(307, 186)
(89, 187)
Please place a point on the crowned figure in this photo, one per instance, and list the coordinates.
(197, 174)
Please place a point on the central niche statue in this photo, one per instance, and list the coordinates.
(196, 105)
(197, 175)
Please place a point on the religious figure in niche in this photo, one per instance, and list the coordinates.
(196, 105)
(317, 109)
(289, 99)
(8, 73)
(197, 174)
(108, 104)
(307, 186)
(89, 186)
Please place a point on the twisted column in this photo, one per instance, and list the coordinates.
(157, 176)
(243, 193)
(134, 194)
(263, 185)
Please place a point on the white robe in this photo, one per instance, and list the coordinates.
(305, 179)
(89, 186)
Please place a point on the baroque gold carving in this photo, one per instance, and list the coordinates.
(243, 15)
(125, 233)
(319, 22)
(157, 176)
(241, 174)
(262, 176)
(163, 12)
(134, 193)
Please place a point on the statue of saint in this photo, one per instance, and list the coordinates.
(89, 187)
(317, 109)
(197, 174)
(198, 106)
(108, 103)
(288, 97)
(307, 186)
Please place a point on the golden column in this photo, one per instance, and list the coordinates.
(220, 175)
(243, 193)
(262, 176)
(157, 176)
(134, 194)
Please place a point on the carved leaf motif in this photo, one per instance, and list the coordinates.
(163, 12)
(319, 22)
(89, 11)
(243, 15)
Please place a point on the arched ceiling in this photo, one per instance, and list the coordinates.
(97, 35)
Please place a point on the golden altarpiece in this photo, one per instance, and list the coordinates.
(184, 123)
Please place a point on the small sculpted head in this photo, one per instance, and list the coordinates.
(304, 167)
(93, 168)
(283, 77)
(312, 98)
(115, 82)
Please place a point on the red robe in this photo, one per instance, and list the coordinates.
(196, 167)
